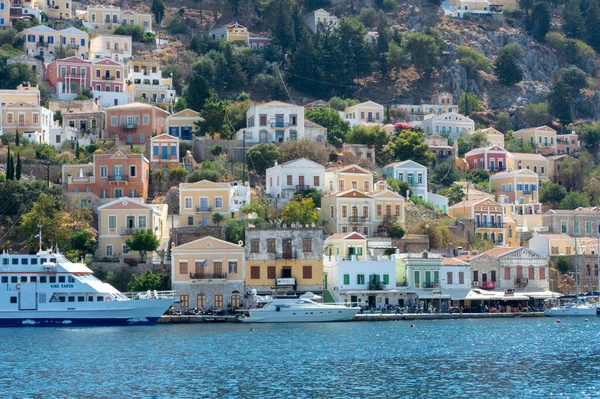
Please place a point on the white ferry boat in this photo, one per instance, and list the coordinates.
(290, 310)
(46, 289)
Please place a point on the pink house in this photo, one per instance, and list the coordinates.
(492, 159)
(68, 76)
(568, 143)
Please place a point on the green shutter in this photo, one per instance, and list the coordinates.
(358, 279)
(377, 278)
(417, 279)
(346, 279)
(386, 279)
(359, 251)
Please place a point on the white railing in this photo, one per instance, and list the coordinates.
(150, 295)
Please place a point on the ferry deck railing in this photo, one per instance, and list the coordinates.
(150, 294)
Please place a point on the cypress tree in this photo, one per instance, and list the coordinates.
(10, 168)
(77, 150)
(17, 139)
(19, 167)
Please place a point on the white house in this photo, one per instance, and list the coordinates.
(319, 19)
(59, 135)
(354, 276)
(286, 179)
(412, 173)
(439, 202)
(450, 123)
(364, 113)
(272, 122)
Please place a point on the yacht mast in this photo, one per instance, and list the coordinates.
(576, 260)
(598, 250)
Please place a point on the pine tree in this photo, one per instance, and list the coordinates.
(10, 168)
(507, 69)
(573, 23)
(18, 168)
(158, 9)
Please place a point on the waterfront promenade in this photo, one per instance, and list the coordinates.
(171, 319)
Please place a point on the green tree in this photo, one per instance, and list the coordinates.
(307, 148)
(472, 60)
(147, 281)
(536, 114)
(372, 136)
(337, 128)
(410, 144)
(589, 134)
(179, 105)
(47, 211)
(234, 230)
(538, 21)
(507, 69)
(17, 138)
(445, 173)
(573, 23)
(177, 175)
(454, 193)
(300, 211)
(313, 194)
(158, 9)
(18, 168)
(423, 50)
(478, 140)
(396, 230)
(143, 241)
(214, 112)
(197, 92)
(469, 103)
(396, 56)
(260, 208)
(552, 192)
(518, 145)
(502, 122)
(10, 171)
(81, 244)
(216, 150)
(368, 16)
(562, 264)
(217, 218)
(159, 179)
(463, 146)
(574, 200)
(204, 174)
(263, 156)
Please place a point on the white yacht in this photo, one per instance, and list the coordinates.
(290, 310)
(572, 309)
(46, 289)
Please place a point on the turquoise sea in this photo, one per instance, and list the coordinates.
(518, 358)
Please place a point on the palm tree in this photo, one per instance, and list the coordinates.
(159, 178)
(455, 194)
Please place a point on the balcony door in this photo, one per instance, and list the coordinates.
(118, 172)
(203, 204)
(131, 222)
(287, 248)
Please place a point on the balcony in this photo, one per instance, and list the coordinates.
(128, 231)
(357, 219)
(415, 184)
(73, 46)
(129, 126)
(490, 285)
(108, 78)
(281, 125)
(489, 225)
(118, 178)
(41, 44)
(301, 188)
(521, 281)
(376, 286)
(497, 169)
(207, 276)
(286, 255)
(74, 75)
(431, 285)
(391, 218)
(203, 208)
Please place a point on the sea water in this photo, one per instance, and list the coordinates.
(489, 358)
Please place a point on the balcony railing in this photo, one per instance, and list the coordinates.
(491, 225)
(128, 231)
(281, 124)
(391, 218)
(41, 44)
(376, 286)
(285, 255)
(108, 78)
(129, 126)
(203, 208)
(207, 276)
(72, 45)
(118, 178)
(431, 285)
(522, 281)
(415, 184)
(497, 168)
(490, 285)
(357, 219)
(381, 234)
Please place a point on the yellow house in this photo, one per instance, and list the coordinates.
(535, 162)
(494, 137)
(25, 117)
(367, 112)
(57, 9)
(129, 17)
(199, 201)
(24, 92)
(183, 123)
(552, 244)
(543, 138)
(5, 13)
(351, 177)
(284, 259)
(518, 192)
(234, 32)
(369, 214)
(44, 41)
(110, 17)
(209, 273)
(490, 221)
(119, 219)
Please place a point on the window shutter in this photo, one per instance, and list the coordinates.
(346, 279)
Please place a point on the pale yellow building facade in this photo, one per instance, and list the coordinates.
(534, 162)
(543, 138)
(351, 177)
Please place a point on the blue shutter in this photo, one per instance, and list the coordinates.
(165, 152)
(173, 150)
(155, 150)
(83, 42)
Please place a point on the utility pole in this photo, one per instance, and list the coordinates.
(245, 177)
(48, 173)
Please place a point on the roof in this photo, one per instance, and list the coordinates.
(453, 261)
(72, 30)
(134, 105)
(482, 149)
(164, 136)
(499, 251)
(467, 203)
(348, 169)
(40, 28)
(535, 128)
(572, 211)
(556, 236)
(513, 172)
(311, 124)
(526, 155)
(346, 236)
(404, 163)
(276, 104)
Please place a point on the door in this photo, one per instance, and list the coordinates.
(28, 296)
(372, 301)
(353, 299)
(428, 280)
(203, 204)
(484, 277)
(131, 222)
(287, 248)
(286, 272)
(118, 172)
(165, 152)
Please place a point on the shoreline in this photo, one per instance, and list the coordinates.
(170, 319)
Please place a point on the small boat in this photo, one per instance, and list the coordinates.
(297, 310)
(47, 289)
(572, 309)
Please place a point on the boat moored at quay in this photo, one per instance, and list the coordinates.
(298, 310)
(46, 289)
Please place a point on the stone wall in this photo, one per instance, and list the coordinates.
(234, 148)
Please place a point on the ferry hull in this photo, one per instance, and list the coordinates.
(300, 316)
(76, 322)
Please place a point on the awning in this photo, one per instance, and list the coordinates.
(375, 292)
(515, 297)
(541, 294)
(429, 294)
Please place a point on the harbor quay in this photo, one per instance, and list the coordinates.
(174, 319)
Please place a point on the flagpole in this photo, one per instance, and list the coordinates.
(40, 236)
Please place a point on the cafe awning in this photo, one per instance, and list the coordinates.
(541, 294)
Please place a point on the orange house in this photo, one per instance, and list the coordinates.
(113, 175)
(134, 123)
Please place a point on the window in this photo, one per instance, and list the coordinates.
(219, 202)
(365, 211)
(507, 273)
(332, 212)
(360, 279)
(184, 300)
(103, 171)
(289, 180)
(346, 279)
(218, 300)
(563, 227)
(263, 120)
(344, 211)
(233, 266)
(254, 272)
(97, 73)
(316, 181)
(531, 273)
(307, 245)
(112, 222)
(366, 186)
(132, 171)
(378, 210)
(188, 203)
(386, 279)
(114, 121)
(461, 277)
(271, 246)
(109, 250)
(307, 272)
(190, 220)
(341, 185)
(146, 119)
(449, 277)
(271, 272)
(173, 150)
(588, 227)
(254, 246)
(142, 222)
(13, 299)
(183, 267)
(576, 226)
(397, 210)
(542, 273)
